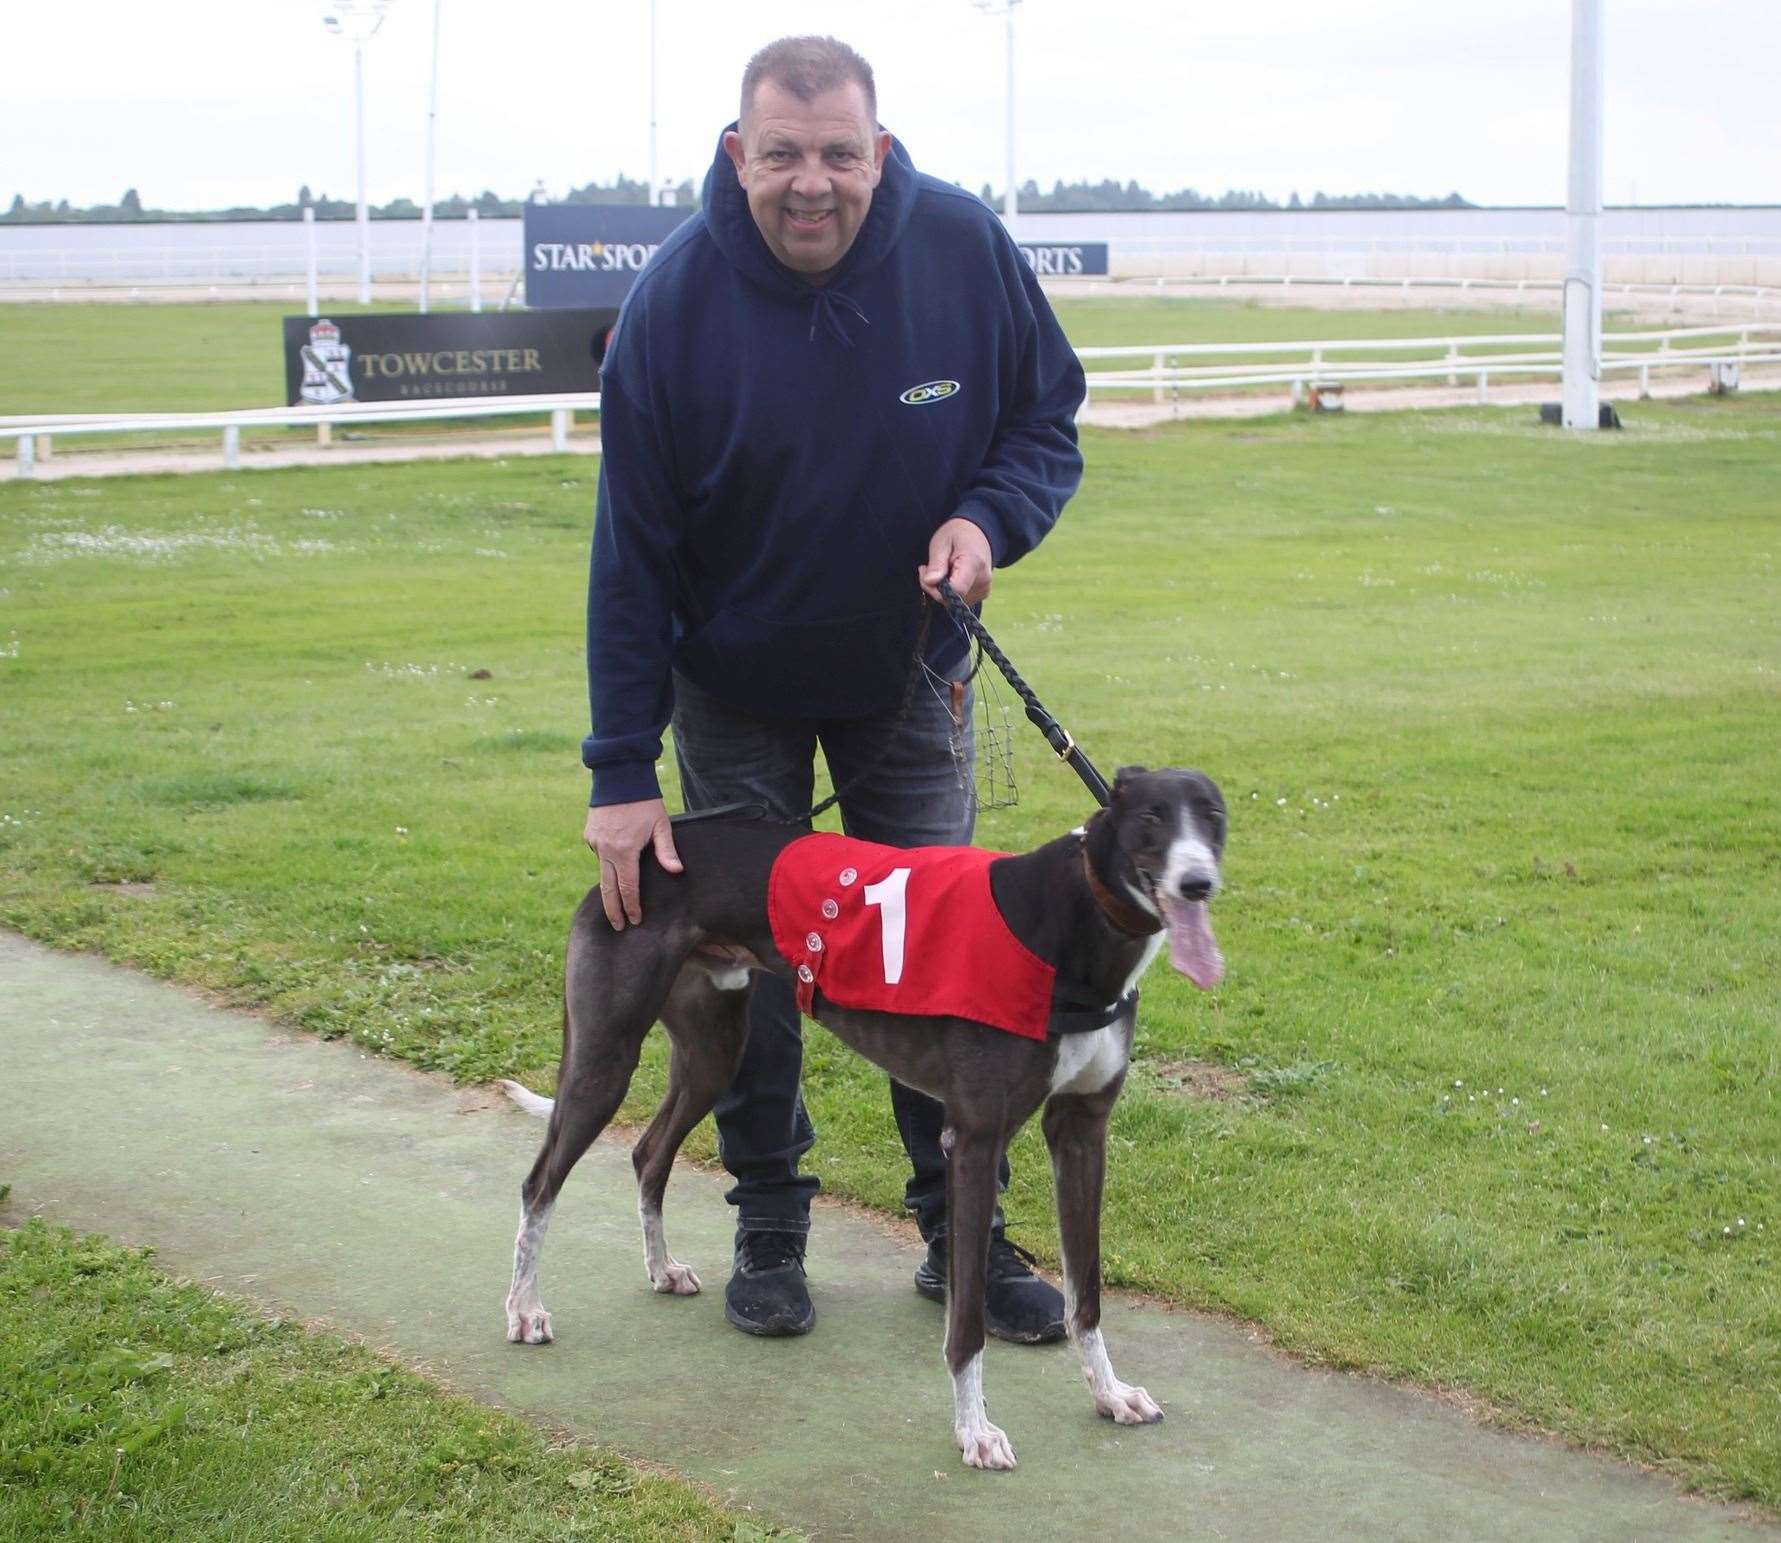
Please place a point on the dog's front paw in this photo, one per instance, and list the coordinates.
(675, 1279)
(530, 1326)
(986, 1446)
(1128, 1406)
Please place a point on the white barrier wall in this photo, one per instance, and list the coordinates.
(1727, 245)
(1695, 245)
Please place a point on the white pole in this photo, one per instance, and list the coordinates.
(475, 261)
(309, 244)
(432, 119)
(1583, 218)
(358, 76)
(1011, 200)
(652, 104)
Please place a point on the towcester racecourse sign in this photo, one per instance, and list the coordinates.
(349, 358)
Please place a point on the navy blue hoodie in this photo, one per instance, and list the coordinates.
(770, 478)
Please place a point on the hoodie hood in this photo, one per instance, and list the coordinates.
(737, 236)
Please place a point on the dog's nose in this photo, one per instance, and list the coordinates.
(1195, 886)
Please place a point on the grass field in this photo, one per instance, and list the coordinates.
(147, 1408)
(1489, 1099)
(203, 358)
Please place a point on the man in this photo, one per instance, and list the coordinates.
(834, 386)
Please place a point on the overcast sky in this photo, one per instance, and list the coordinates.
(211, 102)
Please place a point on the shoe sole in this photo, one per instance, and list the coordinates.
(774, 1328)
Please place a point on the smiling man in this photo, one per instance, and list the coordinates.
(834, 386)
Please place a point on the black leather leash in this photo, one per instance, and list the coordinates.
(1056, 735)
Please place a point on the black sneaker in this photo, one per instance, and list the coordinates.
(767, 1294)
(1017, 1304)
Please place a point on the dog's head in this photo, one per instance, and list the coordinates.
(1170, 827)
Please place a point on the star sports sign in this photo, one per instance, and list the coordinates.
(590, 254)
(580, 255)
(1064, 259)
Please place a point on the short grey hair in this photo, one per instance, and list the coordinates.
(807, 67)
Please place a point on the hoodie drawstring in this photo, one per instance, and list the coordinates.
(829, 310)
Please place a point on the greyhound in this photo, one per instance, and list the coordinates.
(1096, 903)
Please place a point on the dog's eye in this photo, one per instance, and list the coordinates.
(1152, 817)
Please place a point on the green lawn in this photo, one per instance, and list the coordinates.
(203, 358)
(1489, 1097)
(135, 1406)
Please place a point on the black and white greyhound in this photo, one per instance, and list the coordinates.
(1098, 903)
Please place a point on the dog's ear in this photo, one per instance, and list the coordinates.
(1125, 775)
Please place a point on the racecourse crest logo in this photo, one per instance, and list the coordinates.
(327, 361)
(930, 391)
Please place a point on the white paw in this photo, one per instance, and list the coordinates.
(1128, 1406)
(675, 1279)
(528, 1327)
(985, 1447)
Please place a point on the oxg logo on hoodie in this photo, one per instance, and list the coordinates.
(930, 391)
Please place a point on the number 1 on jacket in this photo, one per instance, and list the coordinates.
(887, 894)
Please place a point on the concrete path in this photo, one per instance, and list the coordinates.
(353, 1190)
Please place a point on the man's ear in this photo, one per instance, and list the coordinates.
(738, 156)
(880, 149)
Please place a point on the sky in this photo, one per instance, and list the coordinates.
(207, 103)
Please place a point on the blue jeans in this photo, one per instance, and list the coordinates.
(899, 785)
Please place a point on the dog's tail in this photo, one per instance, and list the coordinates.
(529, 1101)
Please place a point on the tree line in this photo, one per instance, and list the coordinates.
(1105, 197)
(130, 209)
(1110, 197)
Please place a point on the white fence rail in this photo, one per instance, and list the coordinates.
(1315, 364)
(1301, 365)
(34, 433)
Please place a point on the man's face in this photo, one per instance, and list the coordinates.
(808, 169)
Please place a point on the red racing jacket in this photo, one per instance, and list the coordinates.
(912, 930)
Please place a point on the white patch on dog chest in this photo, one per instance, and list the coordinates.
(1086, 1063)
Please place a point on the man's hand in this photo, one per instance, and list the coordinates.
(959, 553)
(617, 833)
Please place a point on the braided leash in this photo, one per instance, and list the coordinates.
(1056, 735)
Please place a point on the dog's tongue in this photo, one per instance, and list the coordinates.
(1191, 948)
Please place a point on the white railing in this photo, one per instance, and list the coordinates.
(1305, 365)
(1301, 365)
(35, 432)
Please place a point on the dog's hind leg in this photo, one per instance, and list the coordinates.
(608, 1010)
(1076, 1132)
(706, 1017)
(970, 1207)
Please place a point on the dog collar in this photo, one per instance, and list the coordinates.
(1125, 918)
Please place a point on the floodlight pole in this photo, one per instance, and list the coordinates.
(364, 218)
(432, 121)
(310, 294)
(653, 194)
(1583, 219)
(1011, 200)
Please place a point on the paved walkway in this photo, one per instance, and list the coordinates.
(356, 1191)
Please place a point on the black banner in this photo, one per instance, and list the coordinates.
(442, 355)
(590, 254)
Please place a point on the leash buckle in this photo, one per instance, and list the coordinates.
(1068, 748)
